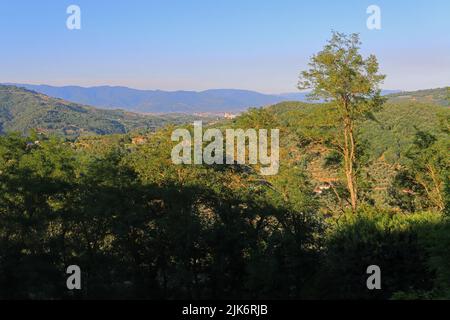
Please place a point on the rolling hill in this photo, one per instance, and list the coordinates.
(434, 96)
(22, 110)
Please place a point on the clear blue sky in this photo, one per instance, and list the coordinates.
(199, 44)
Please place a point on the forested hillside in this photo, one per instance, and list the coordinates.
(435, 96)
(363, 180)
(22, 110)
(141, 226)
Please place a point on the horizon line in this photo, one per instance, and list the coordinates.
(191, 90)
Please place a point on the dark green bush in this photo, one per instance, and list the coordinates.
(399, 244)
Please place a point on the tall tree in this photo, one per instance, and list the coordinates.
(340, 74)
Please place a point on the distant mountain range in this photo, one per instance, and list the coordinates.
(157, 101)
(22, 110)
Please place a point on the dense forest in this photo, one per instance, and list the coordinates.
(141, 227)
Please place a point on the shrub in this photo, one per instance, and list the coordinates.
(394, 242)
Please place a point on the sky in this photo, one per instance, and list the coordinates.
(204, 44)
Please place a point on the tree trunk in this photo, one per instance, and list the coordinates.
(349, 162)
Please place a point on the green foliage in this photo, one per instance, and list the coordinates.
(114, 214)
(392, 133)
(385, 149)
(431, 96)
(141, 227)
(395, 243)
(339, 73)
(426, 173)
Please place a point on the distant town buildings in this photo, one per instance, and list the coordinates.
(229, 115)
